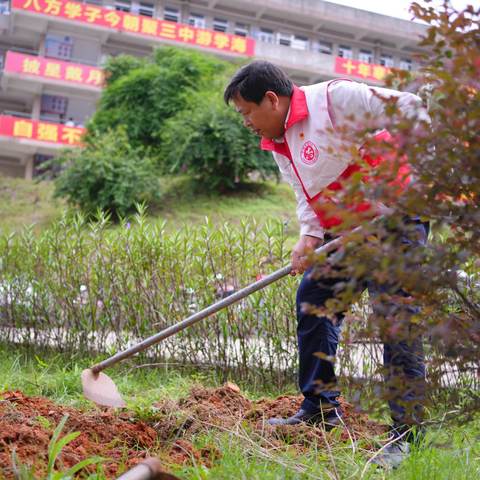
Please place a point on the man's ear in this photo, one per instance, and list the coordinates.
(272, 97)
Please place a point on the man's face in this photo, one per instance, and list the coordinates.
(266, 119)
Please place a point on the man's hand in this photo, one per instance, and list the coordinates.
(303, 248)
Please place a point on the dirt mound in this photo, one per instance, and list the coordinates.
(224, 406)
(27, 424)
(183, 451)
(227, 409)
(283, 406)
(356, 425)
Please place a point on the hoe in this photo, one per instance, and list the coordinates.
(101, 389)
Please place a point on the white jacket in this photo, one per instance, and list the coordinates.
(307, 154)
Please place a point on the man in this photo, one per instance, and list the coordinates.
(298, 125)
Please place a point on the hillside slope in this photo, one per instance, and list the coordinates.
(24, 202)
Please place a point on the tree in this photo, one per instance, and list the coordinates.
(445, 162)
(209, 142)
(171, 109)
(143, 94)
(119, 66)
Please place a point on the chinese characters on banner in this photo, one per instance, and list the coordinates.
(40, 131)
(53, 69)
(358, 69)
(138, 25)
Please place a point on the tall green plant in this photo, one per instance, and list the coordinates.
(82, 285)
(85, 286)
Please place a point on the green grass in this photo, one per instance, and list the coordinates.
(57, 376)
(183, 202)
(24, 202)
(449, 452)
(245, 458)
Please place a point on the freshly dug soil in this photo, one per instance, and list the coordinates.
(225, 408)
(27, 424)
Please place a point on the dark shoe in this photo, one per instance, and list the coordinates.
(329, 419)
(392, 455)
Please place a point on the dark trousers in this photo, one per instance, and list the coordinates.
(318, 339)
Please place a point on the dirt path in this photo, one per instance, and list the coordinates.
(27, 423)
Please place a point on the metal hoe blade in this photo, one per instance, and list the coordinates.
(101, 389)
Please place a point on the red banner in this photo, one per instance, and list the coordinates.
(41, 131)
(366, 71)
(138, 25)
(53, 69)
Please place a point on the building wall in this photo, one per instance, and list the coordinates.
(303, 36)
(12, 167)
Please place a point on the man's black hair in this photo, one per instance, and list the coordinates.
(252, 81)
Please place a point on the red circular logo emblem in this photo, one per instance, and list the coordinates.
(309, 153)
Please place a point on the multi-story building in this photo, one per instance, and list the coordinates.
(51, 53)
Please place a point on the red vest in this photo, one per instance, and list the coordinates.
(361, 207)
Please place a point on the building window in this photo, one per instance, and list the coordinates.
(345, 51)
(284, 39)
(123, 5)
(146, 9)
(241, 29)
(53, 105)
(266, 35)
(171, 14)
(365, 56)
(324, 47)
(220, 24)
(4, 7)
(386, 60)
(196, 20)
(299, 42)
(57, 46)
(405, 64)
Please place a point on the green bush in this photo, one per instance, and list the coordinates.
(143, 94)
(81, 287)
(209, 142)
(108, 174)
(117, 67)
(136, 101)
